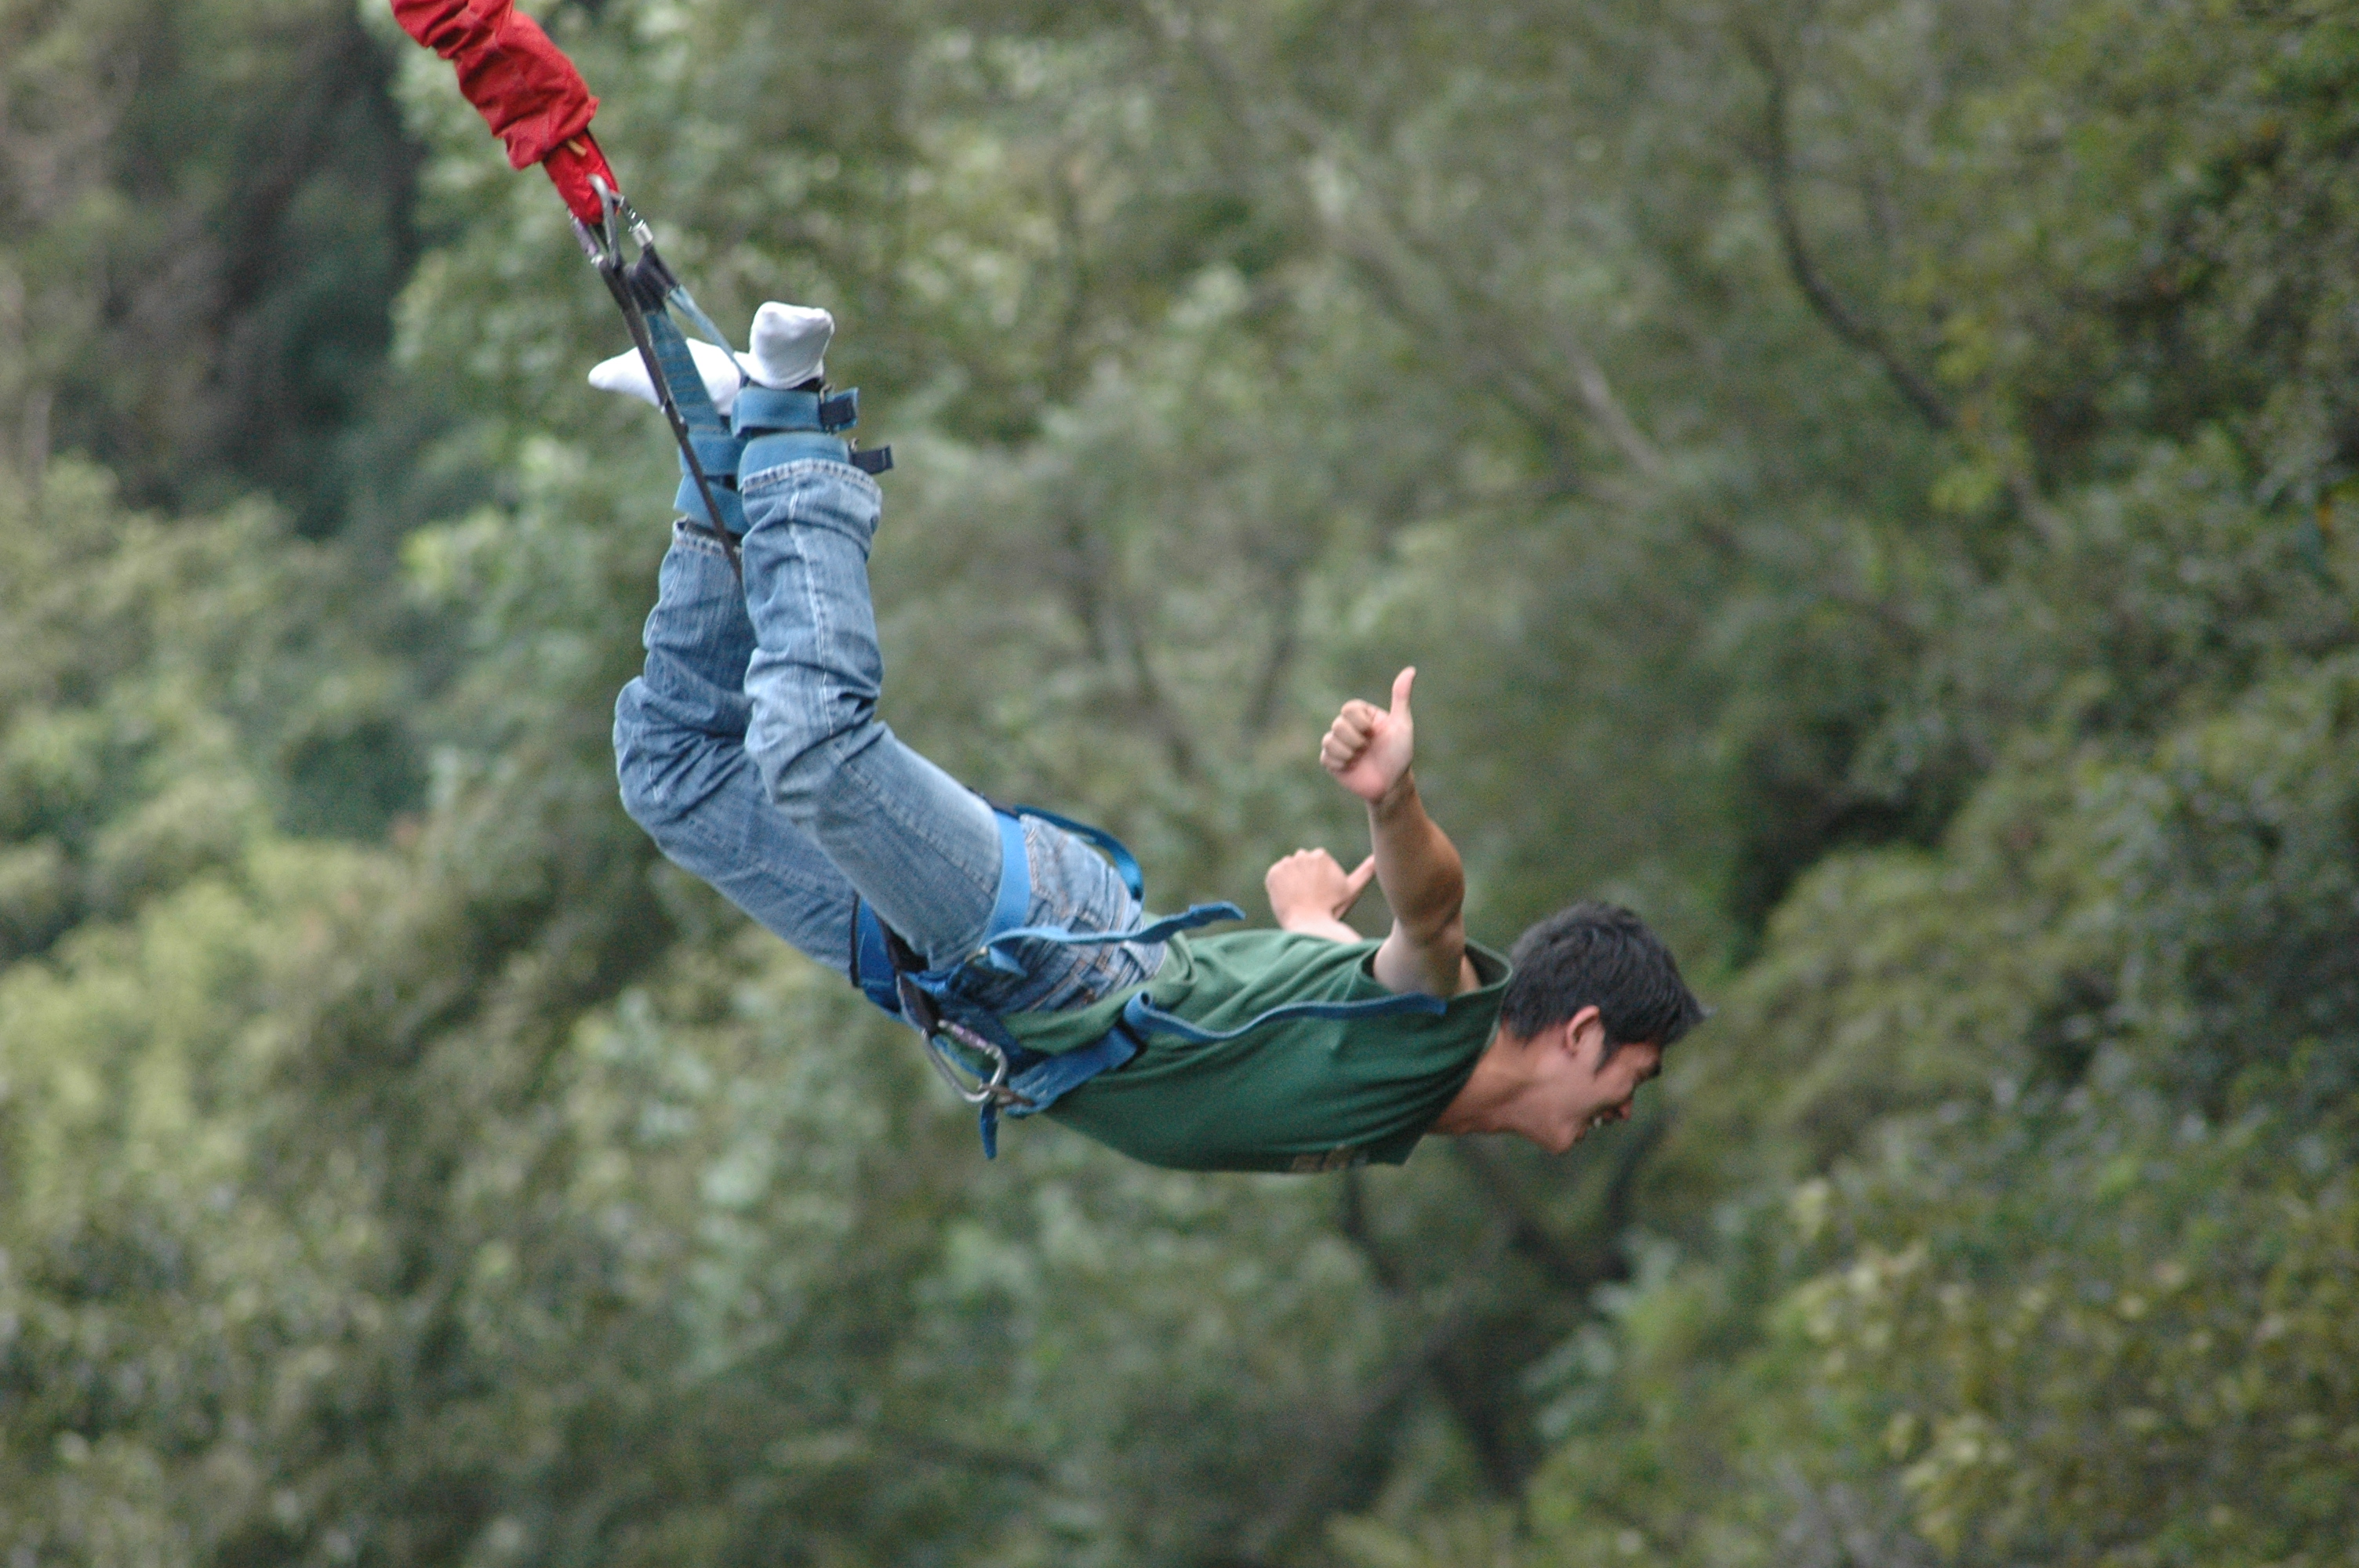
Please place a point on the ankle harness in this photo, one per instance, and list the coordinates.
(781, 427)
(766, 426)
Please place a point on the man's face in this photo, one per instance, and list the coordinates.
(1586, 1089)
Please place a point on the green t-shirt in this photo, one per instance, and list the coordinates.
(1296, 1095)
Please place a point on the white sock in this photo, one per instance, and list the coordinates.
(789, 348)
(627, 373)
(790, 343)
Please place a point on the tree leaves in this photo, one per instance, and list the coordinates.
(402, 1165)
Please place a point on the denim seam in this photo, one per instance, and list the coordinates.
(769, 479)
(684, 537)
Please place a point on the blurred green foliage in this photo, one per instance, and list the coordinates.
(1874, 484)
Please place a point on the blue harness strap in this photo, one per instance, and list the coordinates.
(873, 969)
(796, 409)
(872, 959)
(995, 949)
(1034, 1080)
(1049, 1078)
(677, 297)
(1015, 901)
(716, 446)
(782, 425)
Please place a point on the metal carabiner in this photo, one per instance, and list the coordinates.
(603, 243)
(982, 1091)
(964, 1081)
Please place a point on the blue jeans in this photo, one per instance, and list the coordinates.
(750, 750)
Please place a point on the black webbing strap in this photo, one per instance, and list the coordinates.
(627, 285)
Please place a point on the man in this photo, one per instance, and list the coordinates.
(750, 750)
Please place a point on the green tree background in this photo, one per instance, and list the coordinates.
(1874, 484)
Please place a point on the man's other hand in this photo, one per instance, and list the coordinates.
(1367, 749)
(1310, 891)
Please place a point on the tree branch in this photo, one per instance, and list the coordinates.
(1155, 708)
(1517, 362)
(1096, 600)
(1318, 1482)
(1261, 706)
(1854, 329)
(1452, 1353)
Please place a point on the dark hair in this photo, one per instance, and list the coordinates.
(1602, 956)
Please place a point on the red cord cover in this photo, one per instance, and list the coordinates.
(526, 88)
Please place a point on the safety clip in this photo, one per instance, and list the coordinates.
(964, 1081)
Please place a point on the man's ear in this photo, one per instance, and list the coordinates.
(1584, 1037)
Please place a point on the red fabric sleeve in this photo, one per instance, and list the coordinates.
(526, 88)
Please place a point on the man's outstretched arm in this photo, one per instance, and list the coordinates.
(1369, 750)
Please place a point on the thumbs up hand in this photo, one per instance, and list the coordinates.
(1368, 749)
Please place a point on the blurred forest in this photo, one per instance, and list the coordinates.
(1873, 483)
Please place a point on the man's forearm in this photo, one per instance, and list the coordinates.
(1369, 751)
(1418, 866)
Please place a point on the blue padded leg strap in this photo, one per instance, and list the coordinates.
(779, 448)
(1015, 901)
(762, 409)
(872, 959)
(1005, 932)
(1147, 1019)
(785, 424)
